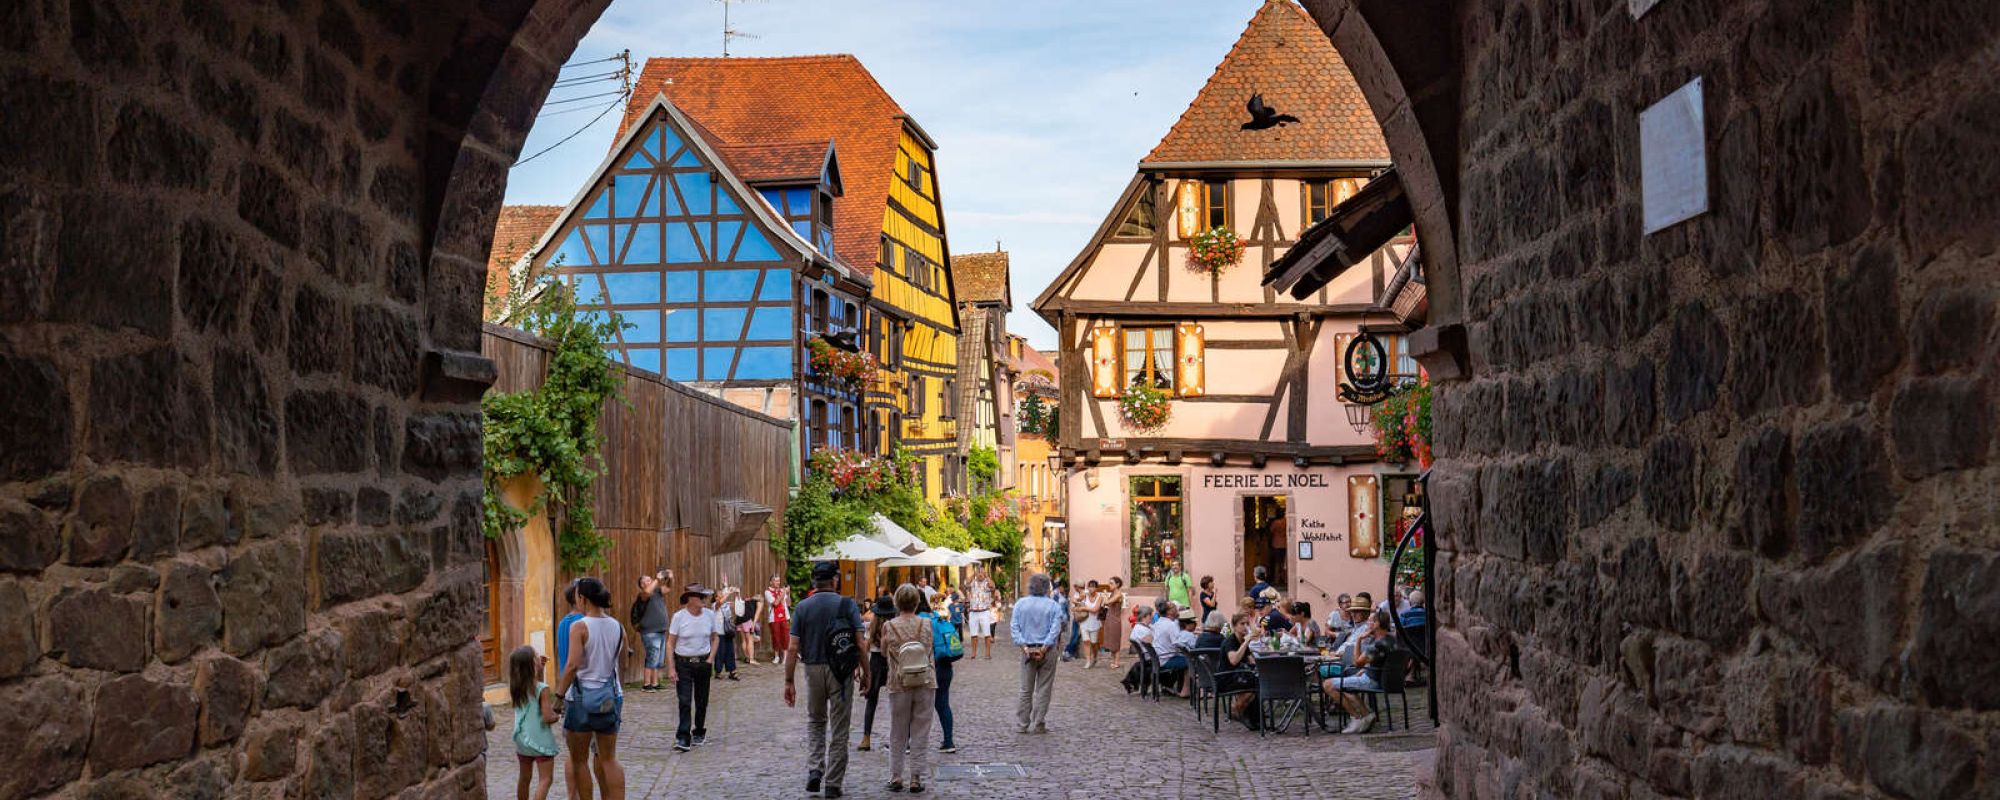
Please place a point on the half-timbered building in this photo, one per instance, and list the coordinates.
(888, 225)
(1256, 464)
(717, 257)
(985, 387)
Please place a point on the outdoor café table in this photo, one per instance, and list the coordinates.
(1313, 659)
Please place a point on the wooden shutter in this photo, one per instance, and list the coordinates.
(1190, 367)
(1104, 374)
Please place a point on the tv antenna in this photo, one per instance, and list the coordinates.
(730, 34)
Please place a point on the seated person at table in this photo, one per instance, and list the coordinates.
(1361, 673)
(1171, 639)
(1275, 619)
(1142, 631)
(1337, 621)
(1307, 628)
(1357, 612)
(1237, 673)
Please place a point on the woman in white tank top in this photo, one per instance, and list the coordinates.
(593, 699)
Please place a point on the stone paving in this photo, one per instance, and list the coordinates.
(1102, 744)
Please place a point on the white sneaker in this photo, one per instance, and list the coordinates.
(1364, 724)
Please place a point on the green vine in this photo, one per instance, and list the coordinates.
(551, 431)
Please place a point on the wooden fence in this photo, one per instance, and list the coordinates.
(686, 477)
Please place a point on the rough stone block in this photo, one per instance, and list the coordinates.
(442, 446)
(1957, 622)
(1697, 353)
(1949, 157)
(141, 722)
(1668, 483)
(326, 432)
(1698, 611)
(263, 593)
(1820, 194)
(156, 528)
(1778, 354)
(266, 199)
(1843, 487)
(101, 530)
(323, 506)
(149, 407)
(445, 618)
(1950, 330)
(148, 149)
(1941, 424)
(320, 341)
(1864, 334)
(247, 434)
(1736, 772)
(330, 772)
(373, 641)
(189, 615)
(29, 539)
(228, 689)
(303, 672)
(373, 506)
(1911, 753)
(1602, 490)
(207, 518)
(271, 750)
(214, 277)
(47, 728)
(361, 564)
(37, 432)
(386, 349)
(18, 648)
(117, 266)
(95, 629)
(1628, 402)
(1766, 505)
(1615, 724)
(1852, 612)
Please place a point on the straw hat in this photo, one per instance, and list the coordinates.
(1358, 605)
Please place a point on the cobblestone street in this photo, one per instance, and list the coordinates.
(1102, 744)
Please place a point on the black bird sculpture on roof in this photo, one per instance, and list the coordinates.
(1263, 117)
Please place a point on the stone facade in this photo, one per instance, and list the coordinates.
(239, 490)
(1717, 503)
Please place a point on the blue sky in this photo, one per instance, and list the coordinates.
(1041, 108)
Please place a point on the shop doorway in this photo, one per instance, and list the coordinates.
(1266, 541)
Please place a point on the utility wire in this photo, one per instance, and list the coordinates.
(565, 140)
(617, 57)
(616, 73)
(582, 98)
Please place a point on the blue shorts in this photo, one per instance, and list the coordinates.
(1358, 682)
(656, 649)
(576, 720)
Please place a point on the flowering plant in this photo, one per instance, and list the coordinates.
(830, 361)
(1215, 250)
(859, 472)
(1403, 425)
(1144, 408)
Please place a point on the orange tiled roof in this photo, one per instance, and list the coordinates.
(766, 101)
(518, 228)
(980, 277)
(778, 161)
(1284, 56)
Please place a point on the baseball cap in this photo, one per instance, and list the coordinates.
(825, 569)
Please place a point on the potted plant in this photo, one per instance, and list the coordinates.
(1214, 250)
(1144, 408)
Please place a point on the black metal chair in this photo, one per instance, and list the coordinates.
(1224, 682)
(1389, 674)
(1204, 677)
(1281, 683)
(1149, 684)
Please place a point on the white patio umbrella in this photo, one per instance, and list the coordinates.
(934, 557)
(981, 554)
(887, 532)
(857, 548)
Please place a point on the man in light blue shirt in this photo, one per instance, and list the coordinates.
(1036, 626)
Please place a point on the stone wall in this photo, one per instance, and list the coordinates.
(1719, 503)
(239, 443)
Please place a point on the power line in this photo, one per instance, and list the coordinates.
(581, 98)
(565, 140)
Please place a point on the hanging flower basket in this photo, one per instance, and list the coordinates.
(1144, 408)
(833, 363)
(1403, 425)
(1214, 250)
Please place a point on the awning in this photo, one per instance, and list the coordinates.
(857, 548)
(980, 554)
(1350, 232)
(895, 536)
(934, 557)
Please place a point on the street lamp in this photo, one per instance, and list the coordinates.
(1359, 416)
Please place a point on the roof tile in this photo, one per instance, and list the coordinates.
(1284, 56)
(980, 277)
(517, 230)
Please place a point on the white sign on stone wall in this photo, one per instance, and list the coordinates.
(1640, 7)
(1673, 158)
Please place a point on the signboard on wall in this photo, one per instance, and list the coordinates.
(1364, 524)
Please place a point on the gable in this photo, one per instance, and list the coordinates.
(695, 263)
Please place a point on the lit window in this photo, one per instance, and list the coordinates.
(1156, 526)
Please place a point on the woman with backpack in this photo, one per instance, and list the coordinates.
(593, 701)
(948, 648)
(907, 644)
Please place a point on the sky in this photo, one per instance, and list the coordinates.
(1041, 108)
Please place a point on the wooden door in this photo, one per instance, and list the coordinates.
(489, 638)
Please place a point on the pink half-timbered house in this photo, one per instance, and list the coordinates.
(1256, 463)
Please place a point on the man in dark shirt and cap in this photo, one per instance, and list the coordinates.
(827, 638)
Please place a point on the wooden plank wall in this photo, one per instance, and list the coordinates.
(670, 453)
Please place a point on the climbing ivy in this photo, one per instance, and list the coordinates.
(551, 431)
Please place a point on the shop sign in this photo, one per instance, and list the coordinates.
(1265, 480)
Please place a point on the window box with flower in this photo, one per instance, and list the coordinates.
(837, 365)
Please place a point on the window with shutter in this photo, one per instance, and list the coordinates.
(1191, 366)
(1104, 362)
